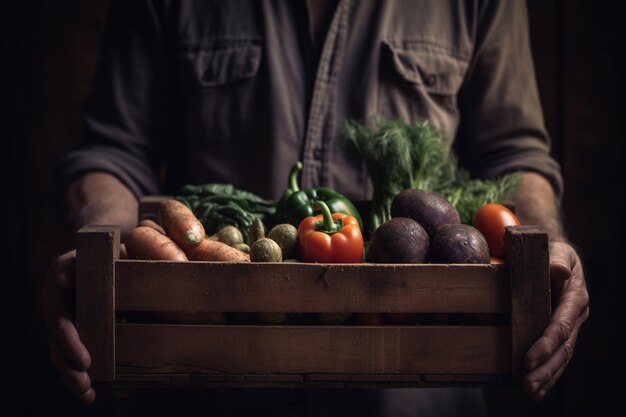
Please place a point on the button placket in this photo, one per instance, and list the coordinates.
(323, 112)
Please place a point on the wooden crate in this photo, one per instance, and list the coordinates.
(186, 355)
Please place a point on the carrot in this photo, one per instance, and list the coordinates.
(213, 250)
(152, 224)
(181, 224)
(147, 243)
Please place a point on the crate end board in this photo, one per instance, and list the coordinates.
(97, 249)
(527, 254)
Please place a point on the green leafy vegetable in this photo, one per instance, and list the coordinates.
(219, 205)
(399, 155)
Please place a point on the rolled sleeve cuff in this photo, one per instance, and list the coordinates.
(537, 162)
(133, 173)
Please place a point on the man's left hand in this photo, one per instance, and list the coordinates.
(546, 360)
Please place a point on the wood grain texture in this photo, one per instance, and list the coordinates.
(96, 253)
(527, 254)
(183, 349)
(304, 381)
(294, 287)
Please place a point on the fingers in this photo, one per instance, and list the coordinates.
(560, 266)
(566, 319)
(547, 359)
(72, 361)
(69, 355)
(64, 269)
(71, 346)
(78, 381)
(539, 381)
(61, 329)
(63, 334)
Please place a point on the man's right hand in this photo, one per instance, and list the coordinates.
(68, 354)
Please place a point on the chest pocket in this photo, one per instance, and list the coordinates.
(420, 81)
(221, 91)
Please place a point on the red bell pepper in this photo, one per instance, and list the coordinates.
(330, 238)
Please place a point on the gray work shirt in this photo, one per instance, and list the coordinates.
(230, 91)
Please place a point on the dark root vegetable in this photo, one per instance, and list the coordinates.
(459, 243)
(399, 240)
(429, 209)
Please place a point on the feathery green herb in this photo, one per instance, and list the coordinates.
(399, 155)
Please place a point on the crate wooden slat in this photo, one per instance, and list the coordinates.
(287, 287)
(313, 349)
(147, 355)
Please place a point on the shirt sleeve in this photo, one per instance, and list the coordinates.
(124, 122)
(502, 127)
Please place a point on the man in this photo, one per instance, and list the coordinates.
(196, 92)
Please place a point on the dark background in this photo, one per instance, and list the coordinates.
(49, 51)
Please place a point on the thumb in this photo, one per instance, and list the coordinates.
(561, 263)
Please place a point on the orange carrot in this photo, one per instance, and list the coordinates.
(181, 224)
(152, 224)
(147, 243)
(213, 250)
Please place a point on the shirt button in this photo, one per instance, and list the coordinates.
(431, 80)
(318, 153)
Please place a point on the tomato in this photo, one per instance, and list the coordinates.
(495, 260)
(490, 220)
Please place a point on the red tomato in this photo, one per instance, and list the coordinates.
(490, 220)
(495, 260)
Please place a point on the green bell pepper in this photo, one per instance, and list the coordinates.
(297, 204)
(292, 187)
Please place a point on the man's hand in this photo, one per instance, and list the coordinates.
(548, 357)
(95, 198)
(68, 354)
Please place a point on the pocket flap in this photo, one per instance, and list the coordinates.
(433, 69)
(214, 67)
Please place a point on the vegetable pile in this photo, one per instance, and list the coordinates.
(425, 209)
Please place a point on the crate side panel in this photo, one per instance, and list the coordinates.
(313, 349)
(295, 287)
